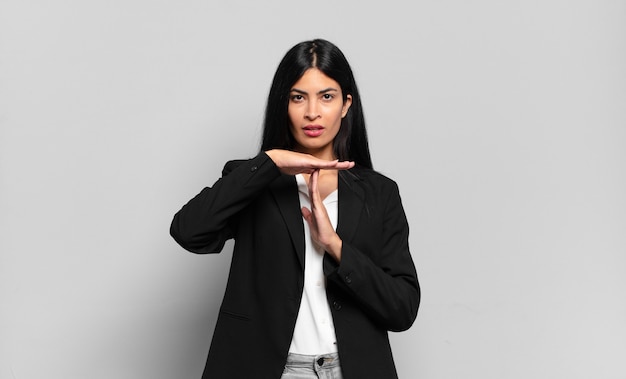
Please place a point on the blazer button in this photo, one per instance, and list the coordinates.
(348, 279)
(253, 168)
(336, 305)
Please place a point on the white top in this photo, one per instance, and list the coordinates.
(314, 333)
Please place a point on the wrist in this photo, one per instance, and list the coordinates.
(334, 248)
(270, 153)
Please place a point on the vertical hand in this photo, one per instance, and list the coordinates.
(322, 230)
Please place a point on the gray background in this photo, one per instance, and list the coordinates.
(504, 123)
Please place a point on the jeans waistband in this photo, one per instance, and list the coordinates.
(321, 360)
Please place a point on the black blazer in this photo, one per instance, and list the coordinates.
(372, 291)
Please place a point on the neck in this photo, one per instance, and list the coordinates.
(324, 153)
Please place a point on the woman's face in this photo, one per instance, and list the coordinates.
(316, 108)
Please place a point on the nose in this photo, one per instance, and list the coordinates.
(311, 112)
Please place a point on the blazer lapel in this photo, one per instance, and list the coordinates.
(285, 192)
(351, 202)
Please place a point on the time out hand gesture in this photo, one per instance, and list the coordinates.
(322, 231)
(293, 163)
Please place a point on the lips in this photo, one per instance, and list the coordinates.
(313, 130)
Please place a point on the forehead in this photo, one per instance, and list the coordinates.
(314, 80)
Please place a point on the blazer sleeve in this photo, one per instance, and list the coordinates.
(204, 224)
(384, 283)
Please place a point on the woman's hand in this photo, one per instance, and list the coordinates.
(293, 163)
(322, 231)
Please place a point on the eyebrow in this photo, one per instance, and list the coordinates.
(329, 89)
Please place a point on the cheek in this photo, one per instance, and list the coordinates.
(339, 116)
(294, 114)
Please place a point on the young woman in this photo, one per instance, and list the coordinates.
(321, 268)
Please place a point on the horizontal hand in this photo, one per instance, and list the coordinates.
(293, 163)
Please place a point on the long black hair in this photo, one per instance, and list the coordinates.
(351, 140)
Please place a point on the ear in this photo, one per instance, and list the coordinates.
(346, 105)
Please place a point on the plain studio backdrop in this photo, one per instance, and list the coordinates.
(503, 122)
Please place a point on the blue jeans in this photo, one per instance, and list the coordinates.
(325, 366)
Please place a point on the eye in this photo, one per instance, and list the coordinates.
(297, 98)
(328, 96)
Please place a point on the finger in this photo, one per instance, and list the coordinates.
(314, 194)
(343, 165)
(313, 180)
(323, 163)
